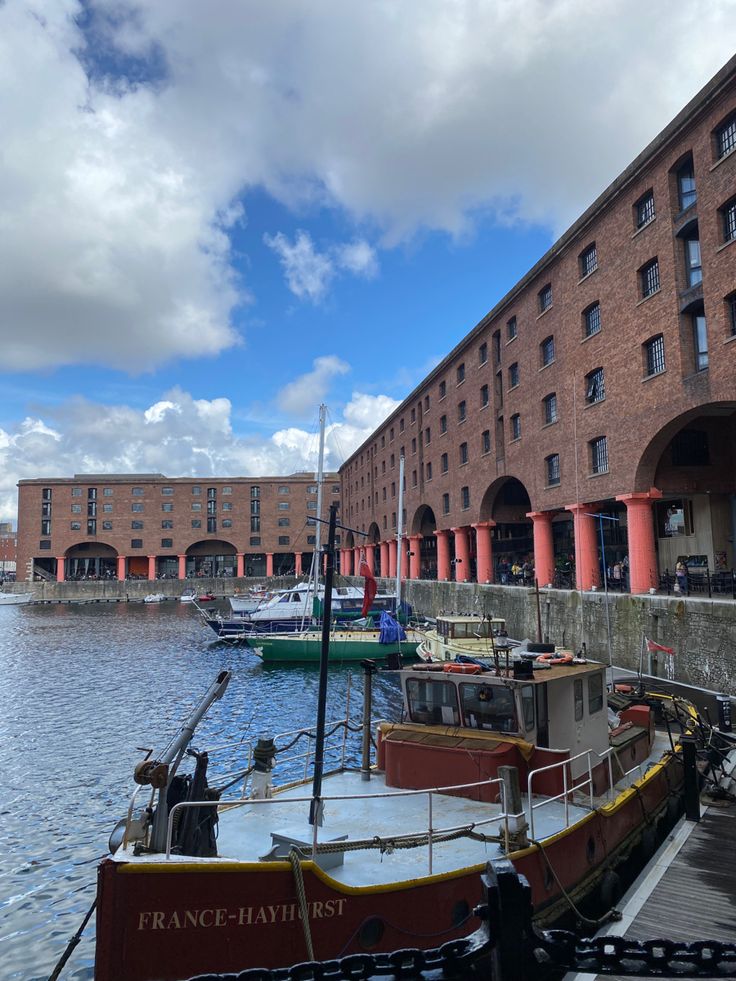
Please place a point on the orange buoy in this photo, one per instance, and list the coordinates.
(559, 657)
(463, 668)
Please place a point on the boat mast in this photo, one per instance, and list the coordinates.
(399, 532)
(315, 809)
(320, 478)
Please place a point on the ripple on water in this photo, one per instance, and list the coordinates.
(84, 687)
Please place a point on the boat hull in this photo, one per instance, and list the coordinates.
(15, 599)
(171, 920)
(305, 648)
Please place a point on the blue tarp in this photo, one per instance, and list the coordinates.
(391, 629)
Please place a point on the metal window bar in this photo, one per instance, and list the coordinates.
(732, 312)
(550, 409)
(553, 469)
(593, 320)
(650, 278)
(729, 222)
(589, 261)
(599, 455)
(596, 390)
(727, 138)
(645, 210)
(655, 356)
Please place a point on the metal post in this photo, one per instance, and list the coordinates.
(369, 668)
(315, 810)
(429, 829)
(692, 790)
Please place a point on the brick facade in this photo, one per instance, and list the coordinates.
(512, 424)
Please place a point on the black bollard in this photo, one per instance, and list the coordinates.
(692, 788)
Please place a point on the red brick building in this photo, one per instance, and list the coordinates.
(116, 526)
(8, 547)
(603, 383)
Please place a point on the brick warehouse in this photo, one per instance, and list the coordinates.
(603, 384)
(117, 526)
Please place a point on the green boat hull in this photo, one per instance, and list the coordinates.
(344, 646)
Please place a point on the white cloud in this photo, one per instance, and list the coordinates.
(308, 272)
(300, 396)
(117, 197)
(177, 436)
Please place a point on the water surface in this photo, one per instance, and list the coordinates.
(82, 689)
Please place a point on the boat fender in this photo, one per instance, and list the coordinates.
(454, 668)
(610, 889)
(563, 657)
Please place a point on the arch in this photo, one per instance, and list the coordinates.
(423, 522)
(90, 560)
(209, 546)
(211, 557)
(374, 534)
(506, 502)
(504, 493)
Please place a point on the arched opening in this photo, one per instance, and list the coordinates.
(372, 543)
(692, 462)
(506, 502)
(213, 558)
(424, 523)
(90, 560)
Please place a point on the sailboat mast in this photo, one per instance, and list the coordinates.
(320, 478)
(399, 532)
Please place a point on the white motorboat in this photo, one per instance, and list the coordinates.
(14, 599)
(188, 596)
(154, 598)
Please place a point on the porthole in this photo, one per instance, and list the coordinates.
(590, 850)
(371, 933)
(460, 912)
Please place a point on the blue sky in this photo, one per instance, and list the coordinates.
(212, 222)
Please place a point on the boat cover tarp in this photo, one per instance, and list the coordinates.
(390, 629)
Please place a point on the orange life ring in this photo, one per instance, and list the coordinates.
(565, 657)
(463, 668)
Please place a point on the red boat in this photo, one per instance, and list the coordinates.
(206, 598)
(517, 761)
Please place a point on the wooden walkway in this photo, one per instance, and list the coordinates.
(688, 890)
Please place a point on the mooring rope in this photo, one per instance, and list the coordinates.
(301, 896)
(72, 944)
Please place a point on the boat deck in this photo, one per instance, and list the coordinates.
(688, 890)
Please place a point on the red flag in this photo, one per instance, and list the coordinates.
(652, 646)
(370, 586)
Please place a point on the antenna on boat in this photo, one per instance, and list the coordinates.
(399, 533)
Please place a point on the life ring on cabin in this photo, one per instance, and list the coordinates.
(624, 689)
(564, 657)
(462, 668)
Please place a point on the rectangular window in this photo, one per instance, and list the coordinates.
(283, 505)
(255, 493)
(283, 539)
(196, 523)
(442, 389)
(91, 509)
(592, 318)
(256, 541)
(91, 493)
(107, 491)
(414, 414)
(136, 526)
(545, 298)
(550, 409)
(483, 353)
(465, 497)
(445, 503)
(227, 490)
(401, 421)
(107, 525)
(284, 522)
(513, 375)
(461, 412)
(595, 389)
(107, 508)
(167, 542)
(167, 491)
(485, 441)
(674, 518)
(211, 493)
(136, 543)
(547, 350)
(700, 341)
(461, 373)
(196, 490)
(167, 524)
(137, 492)
(731, 312)
(426, 403)
(335, 489)
(413, 444)
(211, 525)
(196, 506)
(227, 523)
(227, 506)
(553, 469)
(644, 209)
(46, 493)
(484, 396)
(73, 526)
(588, 260)
(649, 278)
(45, 544)
(516, 426)
(728, 213)
(599, 455)
(444, 463)
(77, 508)
(686, 191)
(578, 698)
(511, 328)
(595, 693)
(255, 523)
(443, 424)
(76, 492)
(726, 137)
(168, 506)
(693, 264)
(463, 453)
(429, 471)
(46, 526)
(136, 508)
(414, 480)
(427, 435)
(654, 356)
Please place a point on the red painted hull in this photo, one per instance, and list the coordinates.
(168, 921)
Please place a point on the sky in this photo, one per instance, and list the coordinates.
(214, 217)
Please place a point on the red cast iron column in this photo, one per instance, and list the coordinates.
(544, 552)
(643, 573)
(587, 570)
(484, 558)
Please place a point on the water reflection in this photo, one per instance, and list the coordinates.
(84, 687)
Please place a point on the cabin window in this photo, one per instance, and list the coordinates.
(432, 702)
(527, 706)
(595, 693)
(578, 690)
(488, 707)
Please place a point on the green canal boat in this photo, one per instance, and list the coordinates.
(346, 644)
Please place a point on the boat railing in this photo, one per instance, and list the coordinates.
(569, 786)
(431, 832)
